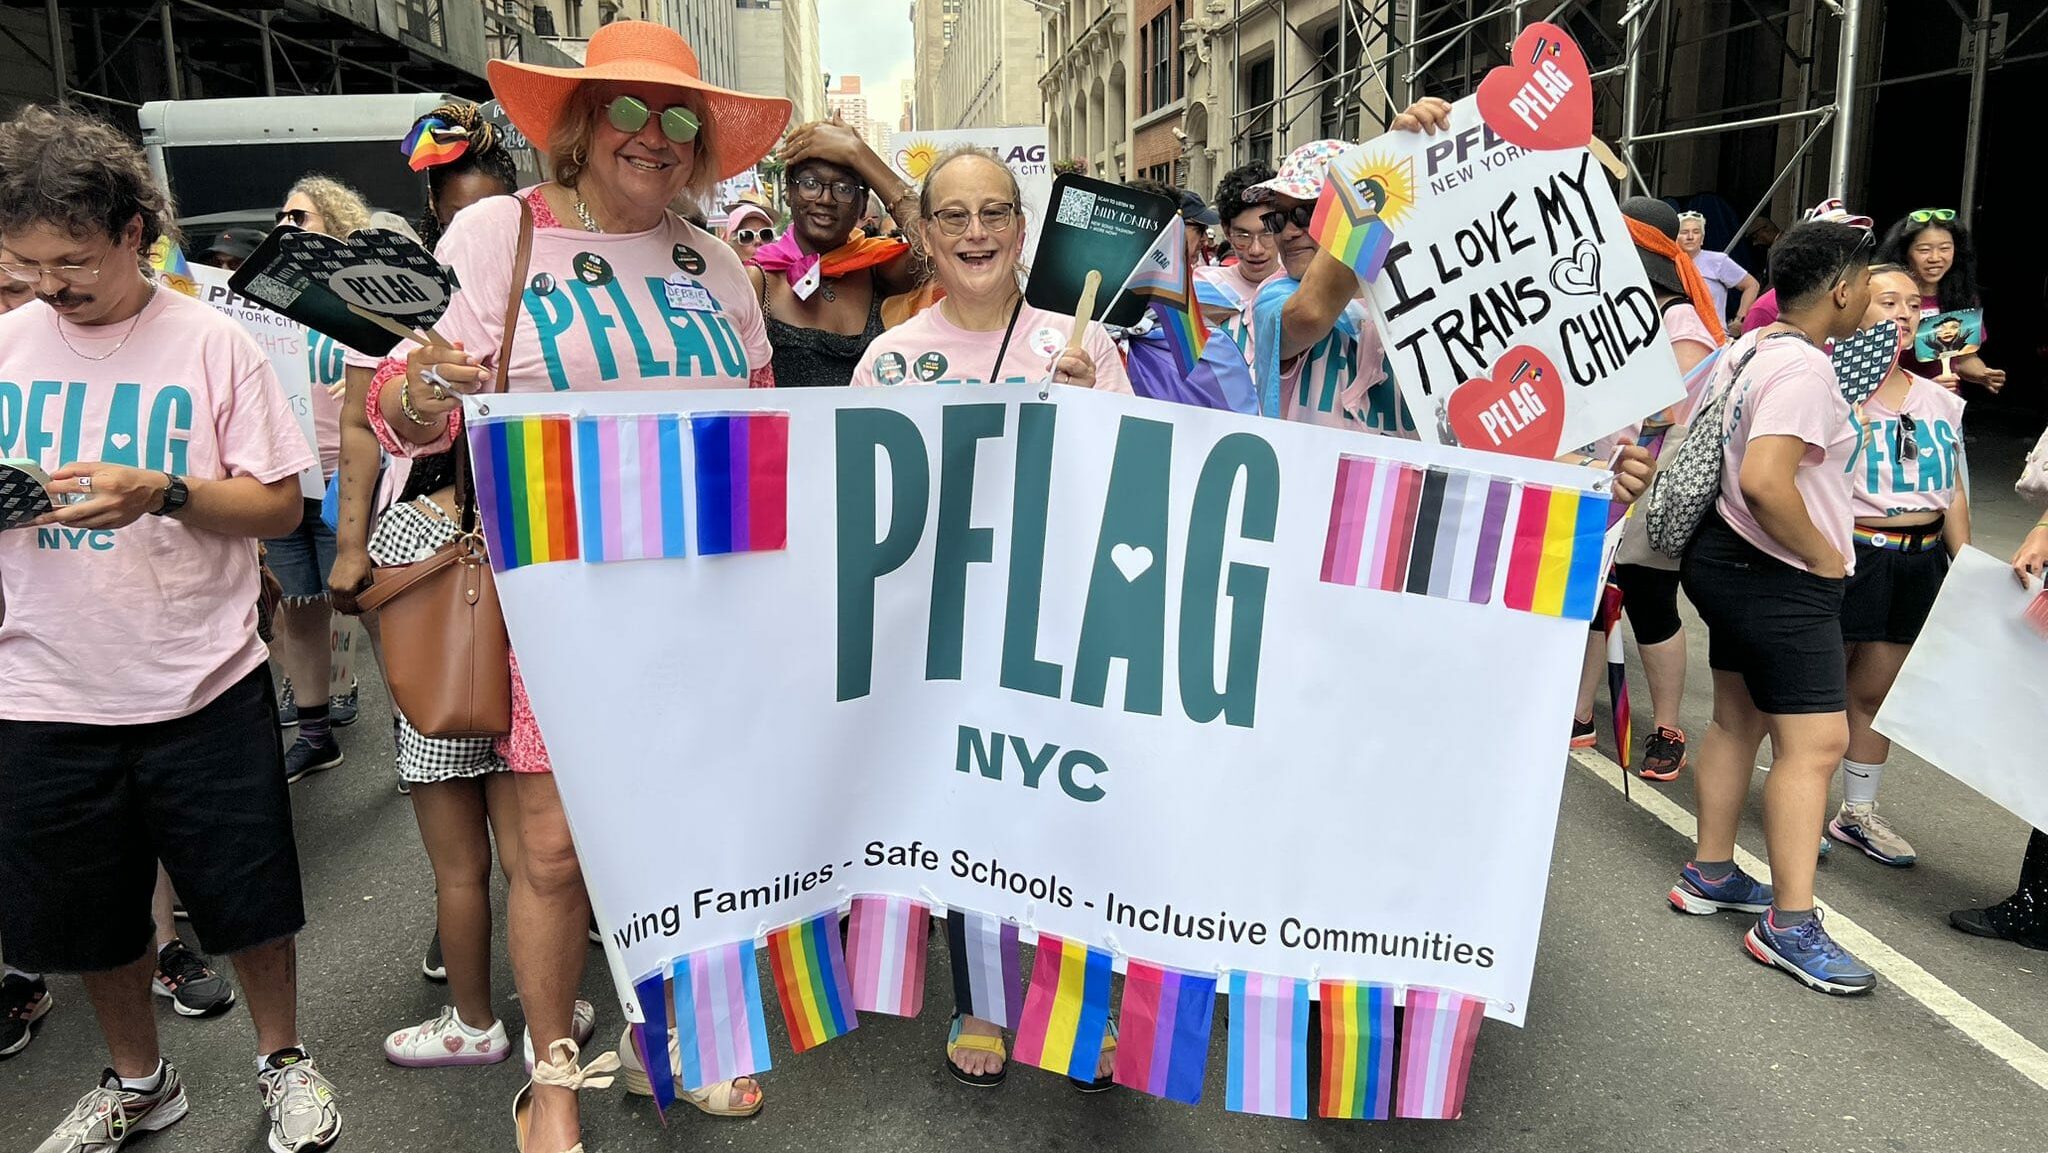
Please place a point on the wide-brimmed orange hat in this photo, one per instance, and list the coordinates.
(745, 126)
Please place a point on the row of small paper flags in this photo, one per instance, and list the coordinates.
(1062, 1018)
(1448, 533)
(614, 488)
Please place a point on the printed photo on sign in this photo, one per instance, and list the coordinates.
(1515, 313)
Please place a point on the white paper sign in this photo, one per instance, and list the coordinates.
(1023, 150)
(1513, 306)
(1104, 666)
(283, 340)
(1970, 700)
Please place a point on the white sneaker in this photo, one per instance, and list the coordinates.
(582, 1025)
(445, 1040)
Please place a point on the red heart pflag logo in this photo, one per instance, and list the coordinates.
(1518, 410)
(1543, 100)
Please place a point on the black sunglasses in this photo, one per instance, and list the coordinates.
(297, 216)
(1276, 221)
(1905, 438)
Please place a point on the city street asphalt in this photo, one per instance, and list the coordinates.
(1648, 1030)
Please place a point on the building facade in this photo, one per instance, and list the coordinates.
(776, 52)
(988, 67)
(1085, 85)
(846, 100)
(706, 24)
(931, 32)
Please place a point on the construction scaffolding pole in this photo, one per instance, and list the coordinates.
(1980, 40)
(1844, 141)
(57, 72)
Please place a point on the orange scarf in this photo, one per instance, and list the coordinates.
(1649, 239)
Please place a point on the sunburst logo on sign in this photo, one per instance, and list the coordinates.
(1380, 185)
(917, 159)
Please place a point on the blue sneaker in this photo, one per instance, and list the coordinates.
(1808, 953)
(1738, 891)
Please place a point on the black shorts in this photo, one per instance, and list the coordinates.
(1891, 594)
(1650, 598)
(87, 811)
(1779, 626)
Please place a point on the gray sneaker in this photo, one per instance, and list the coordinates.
(300, 1102)
(106, 1117)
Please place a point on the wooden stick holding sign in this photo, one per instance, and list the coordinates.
(1084, 311)
(430, 337)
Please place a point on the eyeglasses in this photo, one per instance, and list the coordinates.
(297, 216)
(1276, 222)
(755, 235)
(1246, 237)
(629, 115)
(74, 275)
(1932, 215)
(1905, 438)
(994, 218)
(843, 191)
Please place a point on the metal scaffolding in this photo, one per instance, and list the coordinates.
(1387, 53)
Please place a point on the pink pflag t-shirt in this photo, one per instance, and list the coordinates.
(1789, 389)
(666, 308)
(929, 349)
(1885, 481)
(153, 621)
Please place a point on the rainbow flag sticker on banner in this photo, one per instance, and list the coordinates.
(1358, 1051)
(1364, 194)
(527, 463)
(1163, 1042)
(720, 1026)
(742, 474)
(810, 979)
(1066, 1010)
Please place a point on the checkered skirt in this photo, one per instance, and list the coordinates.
(405, 534)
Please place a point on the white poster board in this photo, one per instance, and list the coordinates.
(1080, 663)
(283, 340)
(1024, 150)
(1971, 700)
(1513, 306)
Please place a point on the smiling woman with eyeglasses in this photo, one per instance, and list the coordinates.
(981, 331)
(822, 282)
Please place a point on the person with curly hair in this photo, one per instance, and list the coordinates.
(1226, 290)
(138, 719)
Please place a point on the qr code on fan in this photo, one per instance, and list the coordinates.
(271, 291)
(1077, 208)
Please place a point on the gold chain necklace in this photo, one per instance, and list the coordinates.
(132, 326)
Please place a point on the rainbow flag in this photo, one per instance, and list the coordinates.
(526, 486)
(1358, 1051)
(1066, 1010)
(742, 472)
(986, 978)
(1617, 674)
(721, 1027)
(1555, 560)
(650, 1036)
(1438, 1032)
(433, 141)
(885, 946)
(1163, 1047)
(810, 978)
(1268, 1046)
(629, 485)
(168, 261)
(1433, 532)
(1350, 229)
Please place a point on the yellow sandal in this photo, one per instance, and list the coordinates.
(958, 1042)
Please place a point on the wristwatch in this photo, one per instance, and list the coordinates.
(174, 496)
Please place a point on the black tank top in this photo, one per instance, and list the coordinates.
(812, 357)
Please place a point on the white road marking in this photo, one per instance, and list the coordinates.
(1901, 971)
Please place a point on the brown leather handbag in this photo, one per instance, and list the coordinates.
(447, 660)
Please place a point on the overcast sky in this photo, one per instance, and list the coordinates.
(871, 39)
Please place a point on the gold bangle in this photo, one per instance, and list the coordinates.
(405, 403)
